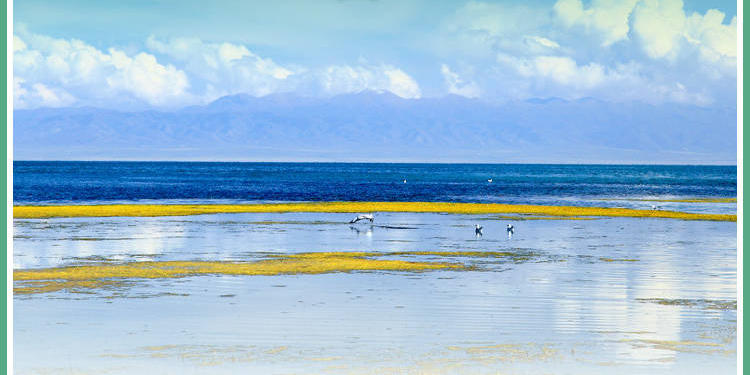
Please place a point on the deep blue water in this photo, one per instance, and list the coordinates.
(80, 182)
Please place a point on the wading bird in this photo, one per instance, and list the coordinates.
(478, 230)
(362, 217)
(509, 229)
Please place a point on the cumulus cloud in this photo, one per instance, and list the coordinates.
(339, 79)
(51, 72)
(620, 50)
(224, 68)
(543, 41)
(716, 40)
(561, 76)
(58, 72)
(38, 94)
(659, 26)
(609, 18)
(458, 86)
(560, 70)
(650, 50)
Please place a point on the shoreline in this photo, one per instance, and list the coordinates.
(154, 210)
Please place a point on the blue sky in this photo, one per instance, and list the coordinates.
(167, 54)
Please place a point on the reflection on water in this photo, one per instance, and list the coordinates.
(614, 295)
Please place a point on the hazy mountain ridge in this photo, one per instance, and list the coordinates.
(371, 126)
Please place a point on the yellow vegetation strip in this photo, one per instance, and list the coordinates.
(103, 275)
(30, 212)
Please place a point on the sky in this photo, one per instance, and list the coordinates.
(165, 54)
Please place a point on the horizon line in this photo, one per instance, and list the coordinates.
(376, 162)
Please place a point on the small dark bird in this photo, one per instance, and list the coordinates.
(510, 229)
(362, 217)
(478, 230)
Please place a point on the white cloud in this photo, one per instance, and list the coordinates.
(607, 17)
(659, 24)
(544, 41)
(224, 68)
(561, 76)
(478, 29)
(716, 40)
(458, 86)
(56, 72)
(18, 44)
(637, 49)
(663, 28)
(39, 95)
(339, 79)
(561, 70)
(143, 75)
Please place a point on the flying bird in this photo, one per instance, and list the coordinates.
(489, 180)
(362, 217)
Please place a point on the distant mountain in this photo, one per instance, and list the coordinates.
(370, 126)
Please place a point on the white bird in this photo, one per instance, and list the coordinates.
(655, 207)
(404, 181)
(362, 217)
(478, 230)
(490, 180)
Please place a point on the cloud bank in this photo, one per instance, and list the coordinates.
(644, 50)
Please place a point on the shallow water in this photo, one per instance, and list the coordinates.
(611, 295)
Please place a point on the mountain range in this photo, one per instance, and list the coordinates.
(382, 127)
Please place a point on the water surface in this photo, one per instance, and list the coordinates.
(611, 295)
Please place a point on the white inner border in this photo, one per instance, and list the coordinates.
(9, 187)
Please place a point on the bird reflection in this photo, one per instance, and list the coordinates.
(367, 231)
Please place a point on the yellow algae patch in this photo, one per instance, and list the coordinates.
(617, 260)
(704, 303)
(75, 286)
(479, 254)
(101, 275)
(528, 352)
(277, 350)
(30, 212)
(678, 346)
